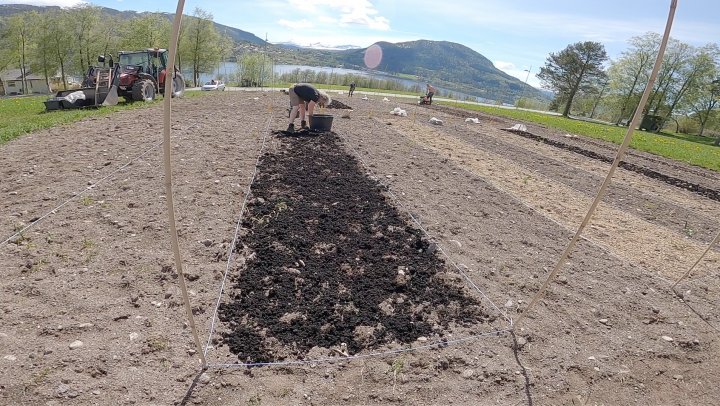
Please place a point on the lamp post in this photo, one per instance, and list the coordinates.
(528, 74)
(527, 77)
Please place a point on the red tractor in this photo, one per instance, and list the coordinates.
(142, 75)
(138, 76)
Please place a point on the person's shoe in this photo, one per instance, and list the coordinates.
(303, 124)
(291, 128)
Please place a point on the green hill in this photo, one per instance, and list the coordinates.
(445, 64)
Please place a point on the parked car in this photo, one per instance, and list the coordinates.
(214, 85)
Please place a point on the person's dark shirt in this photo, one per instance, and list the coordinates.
(306, 92)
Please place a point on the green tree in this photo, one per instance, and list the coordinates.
(60, 44)
(180, 54)
(43, 57)
(631, 72)
(109, 37)
(579, 67)
(150, 30)
(703, 102)
(17, 37)
(7, 48)
(225, 49)
(255, 69)
(86, 23)
(698, 68)
(200, 44)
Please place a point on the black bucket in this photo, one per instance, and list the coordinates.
(321, 122)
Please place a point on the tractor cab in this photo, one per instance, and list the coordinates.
(148, 61)
(143, 73)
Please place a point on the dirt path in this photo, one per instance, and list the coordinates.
(90, 311)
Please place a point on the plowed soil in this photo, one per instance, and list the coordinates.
(380, 263)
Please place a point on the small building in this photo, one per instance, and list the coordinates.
(12, 83)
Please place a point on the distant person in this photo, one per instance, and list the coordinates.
(430, 92)
(300, 94)
(352, 88)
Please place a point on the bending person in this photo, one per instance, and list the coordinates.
(352, 88)
(300, 94)
(430, 93)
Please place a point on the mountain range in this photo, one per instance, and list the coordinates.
(237, 35)
(445, 64)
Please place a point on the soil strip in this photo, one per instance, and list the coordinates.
(330, 263)
(671, 180)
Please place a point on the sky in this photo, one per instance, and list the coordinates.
(516, 35)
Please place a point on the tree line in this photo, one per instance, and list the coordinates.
(686, 92)
(66, 42)
(256, 69)
(60, 44)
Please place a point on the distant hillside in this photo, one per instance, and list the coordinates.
(10, 9)
(445, 64)
(236, 34)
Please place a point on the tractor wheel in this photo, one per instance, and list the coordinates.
(143, 90)
(178, 83)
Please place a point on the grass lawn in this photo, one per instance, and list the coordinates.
(692, 149)
(21, 115)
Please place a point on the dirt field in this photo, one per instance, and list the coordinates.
(332, 279)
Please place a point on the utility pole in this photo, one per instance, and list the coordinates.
(526, 78)
(528, 74)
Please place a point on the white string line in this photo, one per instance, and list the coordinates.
(227, 269)
(652, 275)
(642, 193)
(608, 250)
(439, 343)
(560, 225)
(559, 265)
(714, 241)
(439, 246)
(700, 278)
(600, 245)
(78, 194)
(231, 249)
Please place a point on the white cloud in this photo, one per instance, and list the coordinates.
(44, 3)
(374, 23)
(364, 13)
(327, 20)
(306, 38)
(523, 74)
(508, 17)
(506, 66)
(343, 12)
(296, 25)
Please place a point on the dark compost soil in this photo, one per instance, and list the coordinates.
(333, 262)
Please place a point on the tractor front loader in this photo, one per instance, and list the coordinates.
(137, 76)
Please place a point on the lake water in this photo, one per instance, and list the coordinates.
(229, 69)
